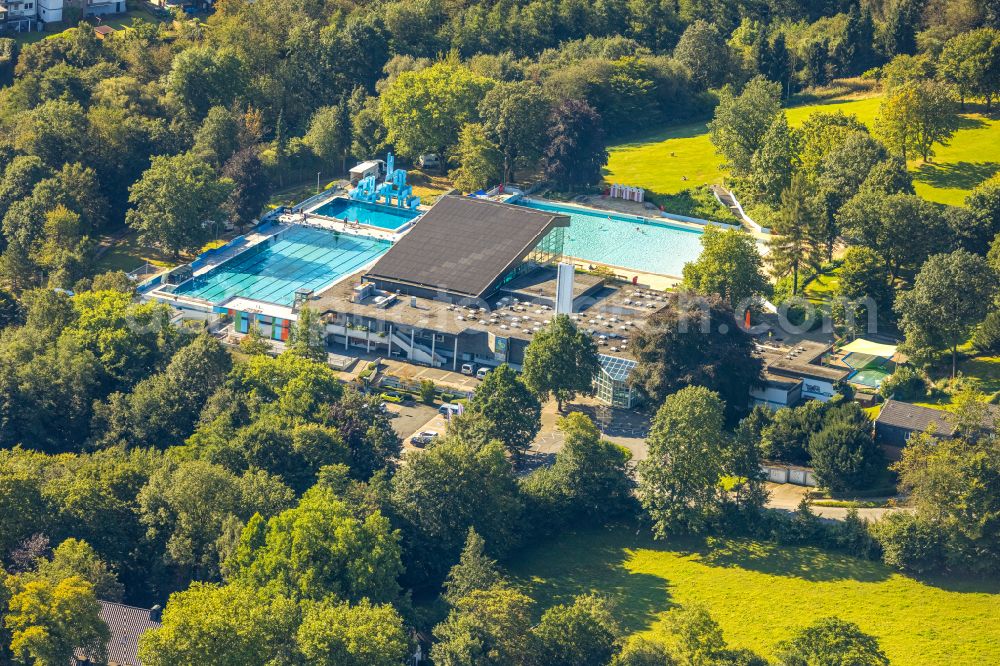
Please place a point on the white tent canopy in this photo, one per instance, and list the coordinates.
(869, 348)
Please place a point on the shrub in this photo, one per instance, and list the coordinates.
(905, 384)
(427, 392)
(910, 544)
(803, 528)
(986, 339)
(845, 455)
(853, 536)
(395, 399)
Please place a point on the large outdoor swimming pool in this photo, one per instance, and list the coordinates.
(625, 241)
(301, 257)
(362, 212)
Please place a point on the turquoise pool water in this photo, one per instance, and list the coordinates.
(362, 212)
(302, 257)
(622, 240)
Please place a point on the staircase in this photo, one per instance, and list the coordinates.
(417, 352)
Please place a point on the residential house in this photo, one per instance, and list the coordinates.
(126, 625)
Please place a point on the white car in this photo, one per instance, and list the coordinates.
(468, 369)
(423, 438)
(482, 372)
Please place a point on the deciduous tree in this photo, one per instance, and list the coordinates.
(363, 634)
(514, 115)
(832, 642)
(950, 296)
(320, 549)
(512, 410)
(915, 116)
(741, 122)
(703, 50)
(560, 361)
(233, 624)
(583, 632)
(729, 266)
(695, 341)
(425, 110)
(679, 481)
(486, 628)
(480, 161)
(442, 492)
(175, 201)
(576, 150)
(589, 482)
(49, 619)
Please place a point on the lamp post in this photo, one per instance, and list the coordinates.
(317, 182)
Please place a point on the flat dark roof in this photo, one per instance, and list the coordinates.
(464, 245)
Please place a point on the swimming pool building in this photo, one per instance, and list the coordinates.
(473, 282)
(470, 281)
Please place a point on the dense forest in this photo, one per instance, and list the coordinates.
(143, 461)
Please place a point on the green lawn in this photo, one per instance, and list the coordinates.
(661, 161)
(972, 156)
(116, 21)
(127, 254)
(676, 158)
(294, 194)
(760, 593)
(820, 289)
(982, 372)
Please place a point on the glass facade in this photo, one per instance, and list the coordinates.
(550, 249)
(612, 381)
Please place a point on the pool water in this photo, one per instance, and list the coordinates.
(301, 257)
(362, 212)
(621, 240)
(872, 377)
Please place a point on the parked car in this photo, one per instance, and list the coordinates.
(429, 161)
(468, 369)
(482, 372)
(397, 398)
(449, 408)
(423, 438)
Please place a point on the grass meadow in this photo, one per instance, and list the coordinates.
(674, 159)
(761, 593)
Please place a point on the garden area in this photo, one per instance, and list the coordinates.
(761, 593)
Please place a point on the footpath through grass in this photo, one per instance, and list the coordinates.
(677, 158)
(761, 593)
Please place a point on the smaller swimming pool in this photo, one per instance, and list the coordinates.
(370, 214)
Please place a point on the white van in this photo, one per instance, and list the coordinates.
(429, 161)
(370, 168)
(468, 369)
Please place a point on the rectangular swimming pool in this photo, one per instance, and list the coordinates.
(371, 214)
(300, 257)
(627, 241)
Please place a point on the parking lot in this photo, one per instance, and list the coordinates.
(442, 378)
(408, 419)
